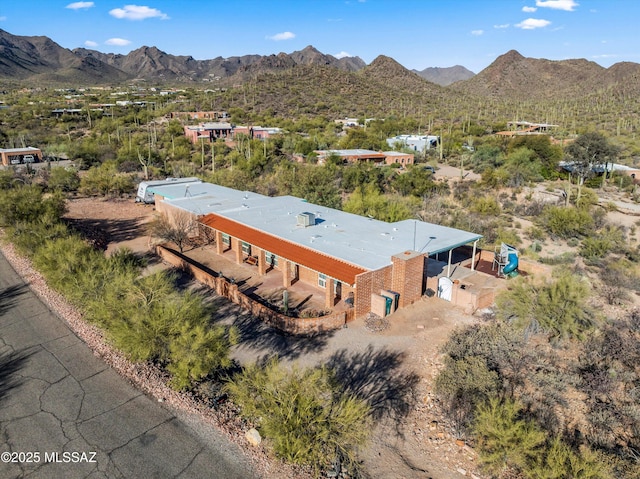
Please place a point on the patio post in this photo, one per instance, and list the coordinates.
(473, 256)
(329, 297)
(262, 262)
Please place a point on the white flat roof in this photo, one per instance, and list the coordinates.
(361, 241)
(18, 150)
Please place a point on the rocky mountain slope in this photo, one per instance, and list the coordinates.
(39, 60)
(445, 76)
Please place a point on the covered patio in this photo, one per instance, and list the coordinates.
(303, 298)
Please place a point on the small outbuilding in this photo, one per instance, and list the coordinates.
(17, 156)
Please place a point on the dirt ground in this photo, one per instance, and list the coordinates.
(394, 366)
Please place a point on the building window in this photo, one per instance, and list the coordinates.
(322, 280)
(246, 248)
(226, 239)
(271, 259)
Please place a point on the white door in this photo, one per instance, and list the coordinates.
(445, 286)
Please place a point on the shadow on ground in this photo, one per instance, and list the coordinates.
(8, 297)
(10, 365)
(379, 377)
(102, 232)
(267, 341)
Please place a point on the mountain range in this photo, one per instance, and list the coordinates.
(38, 60)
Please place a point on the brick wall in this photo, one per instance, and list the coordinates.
(368, 283)
(307, 275)
(230, 291)
(408, 276)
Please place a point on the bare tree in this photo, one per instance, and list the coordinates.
(177, 228)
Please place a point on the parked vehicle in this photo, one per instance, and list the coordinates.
(29, 159)
(15, 160)
(145, 196)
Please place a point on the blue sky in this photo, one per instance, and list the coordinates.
(416, 33)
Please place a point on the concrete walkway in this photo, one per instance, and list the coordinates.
(56, 397)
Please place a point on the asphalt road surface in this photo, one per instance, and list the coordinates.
(65, 414)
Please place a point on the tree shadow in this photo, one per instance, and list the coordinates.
(101, 232)
(10, 365)
(9, 296)
(379, 378)
(267, 341)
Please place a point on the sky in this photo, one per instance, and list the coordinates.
(416, 33)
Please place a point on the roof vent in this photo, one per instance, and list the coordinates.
(306, 219)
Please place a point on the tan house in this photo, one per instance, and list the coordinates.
(362, 263)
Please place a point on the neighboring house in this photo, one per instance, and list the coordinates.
(347, 257)
(16, 156)
(419, 143)
(208, 131)
(358, 155)
(256, 132)
(518, 128)
(351, 156)
(213, 131)
(395, 157)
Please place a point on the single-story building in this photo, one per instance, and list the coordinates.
(419, 143)
(396, 157)
(208, 131)
(519, 128)
(16, 156)
(351, 156)
(348, 257)
(358, 155)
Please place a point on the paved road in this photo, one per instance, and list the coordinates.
(56, 397)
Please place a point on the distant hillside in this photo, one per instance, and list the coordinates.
(309, 82)
(383, 88)
(515, 77)
(40, 59)
(445, 76)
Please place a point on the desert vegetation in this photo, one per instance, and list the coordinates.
(546, 386)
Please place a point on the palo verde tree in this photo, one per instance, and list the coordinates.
(589, 150)
(305, 414)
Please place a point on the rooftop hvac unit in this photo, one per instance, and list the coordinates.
(306, 219)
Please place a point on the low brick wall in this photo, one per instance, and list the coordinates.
(224, 288)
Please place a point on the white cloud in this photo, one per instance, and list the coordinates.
(566, 5)
(137, 12)
(533, 23)
(2, 19)
(477, 33)
(504, 25)
(529, 9)
(118, 42)
(282, 36)
(80, 5)
(342, 55)
(90, 43)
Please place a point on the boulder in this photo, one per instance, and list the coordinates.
(253, 437)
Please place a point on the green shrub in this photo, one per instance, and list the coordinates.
(302, 413)
(564, 258)
(28, 204)
(536, 234)
(27, 237)
(504, 439)
(556, 307)
(486, 205)
(63, 179)
(566, 222)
